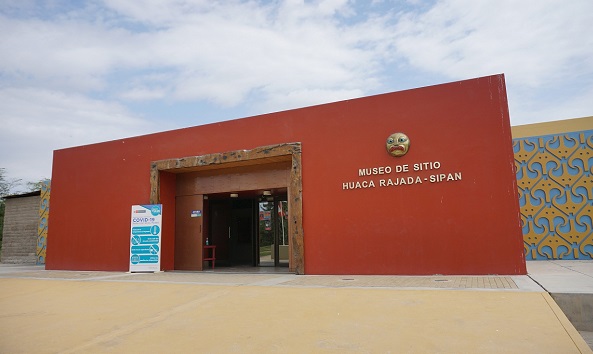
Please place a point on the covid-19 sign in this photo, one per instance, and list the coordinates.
(145, 238)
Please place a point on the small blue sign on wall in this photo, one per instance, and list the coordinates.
(196, 213)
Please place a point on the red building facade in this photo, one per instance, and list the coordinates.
(449, 205)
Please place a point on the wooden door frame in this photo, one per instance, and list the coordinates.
(256, 156)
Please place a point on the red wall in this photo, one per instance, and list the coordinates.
(469, 226)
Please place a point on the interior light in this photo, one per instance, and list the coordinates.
(267, 192)
(234, 195)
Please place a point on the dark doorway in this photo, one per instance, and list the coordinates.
(249, 232)
(232, 230)
(242, 232)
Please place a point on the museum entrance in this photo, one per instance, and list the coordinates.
(248, 232)
(217, 199)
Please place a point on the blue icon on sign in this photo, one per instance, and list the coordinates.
(155, 230)
(155, 210)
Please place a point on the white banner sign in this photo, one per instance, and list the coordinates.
(145, 238)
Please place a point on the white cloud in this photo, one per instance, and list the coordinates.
(222, 53)
(36, 122)
(578, 104)
(143, 94)
(542, 46)
(531, 41)
(306, 97)
(50, 53)
(215, 51)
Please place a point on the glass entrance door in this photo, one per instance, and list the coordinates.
(281, 249)
(273, 233)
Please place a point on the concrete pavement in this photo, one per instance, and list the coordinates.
(563, 276)
(174, 312)
(571, 285)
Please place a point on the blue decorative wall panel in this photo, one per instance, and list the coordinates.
(555, 181)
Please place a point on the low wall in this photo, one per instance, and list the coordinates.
(21, 221)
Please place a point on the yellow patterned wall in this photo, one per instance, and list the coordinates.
(555, 181)
(43, 222)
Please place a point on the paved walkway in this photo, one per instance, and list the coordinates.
(563, 276)
(571, 285)
(175, 312)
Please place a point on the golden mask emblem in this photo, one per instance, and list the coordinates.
(398, 144)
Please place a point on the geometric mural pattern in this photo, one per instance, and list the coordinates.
(43, 222)
(555, 181)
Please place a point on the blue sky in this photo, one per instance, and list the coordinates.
(80, 72)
